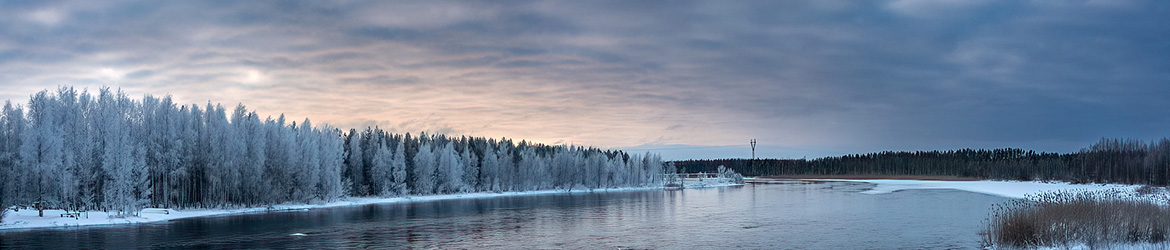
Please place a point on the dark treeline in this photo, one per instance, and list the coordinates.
(1108, 161)
(76, 151)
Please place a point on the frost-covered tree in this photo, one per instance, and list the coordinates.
(652, 166)
(332, 152)
(70, 150)
(490, 170)
(12, 125)
(671, 176)
(425, 165)
(42, 152)
(593, 174)
(398, 170)
(251, 169)
(275, 159)
(615, 173)
(533, 169)
(730, 175)
(123, 159)
(381, 170)
(564, 177)
(223, 144)
(370, 138)
(187, 178)
(74, 152)
(355, 163)
(450, 170)
(470, 169)
(310, 162)
(163, 145)
(637, 173)
(508, 173)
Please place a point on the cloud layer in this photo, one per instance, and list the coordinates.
(826, 77)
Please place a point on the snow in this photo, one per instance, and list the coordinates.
(1009, 189)
(27, 218)
(691, 183)
(1115, 246)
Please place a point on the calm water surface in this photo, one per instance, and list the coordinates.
(756, 216)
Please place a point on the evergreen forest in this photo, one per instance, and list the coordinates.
(1125, 161)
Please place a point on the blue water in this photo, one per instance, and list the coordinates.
(831, 215)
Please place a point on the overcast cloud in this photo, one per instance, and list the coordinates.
(688, 79)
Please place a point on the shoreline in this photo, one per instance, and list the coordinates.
(874, 177)
(27, 219)
(1007, 189)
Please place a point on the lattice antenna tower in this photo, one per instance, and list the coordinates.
(753, 149)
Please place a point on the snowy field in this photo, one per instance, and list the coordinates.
(1009, 189)
(27, 218)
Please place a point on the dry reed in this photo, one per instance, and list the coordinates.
(1097, 219)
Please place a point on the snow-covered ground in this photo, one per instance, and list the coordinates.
(1118, 246)
(27, 218)
(691, 183)
(1010, 189)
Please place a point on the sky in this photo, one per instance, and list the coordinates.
(686, 79)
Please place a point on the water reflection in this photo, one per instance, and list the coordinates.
(764, 216)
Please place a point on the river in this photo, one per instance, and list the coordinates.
(791, 215)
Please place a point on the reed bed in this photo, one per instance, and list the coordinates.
(1096, 219)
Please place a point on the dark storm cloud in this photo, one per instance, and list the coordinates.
(825, 76)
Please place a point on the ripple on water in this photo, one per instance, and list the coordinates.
(809, 215)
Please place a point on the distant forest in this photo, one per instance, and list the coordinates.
(76, 151)
(1108, 161)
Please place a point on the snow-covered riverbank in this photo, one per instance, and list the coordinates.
(692, 183)
(1010, 189)
(27, 218)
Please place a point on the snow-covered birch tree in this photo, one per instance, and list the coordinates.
(450, 170)
(70, 150)
(398, 170)
(424, 170)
